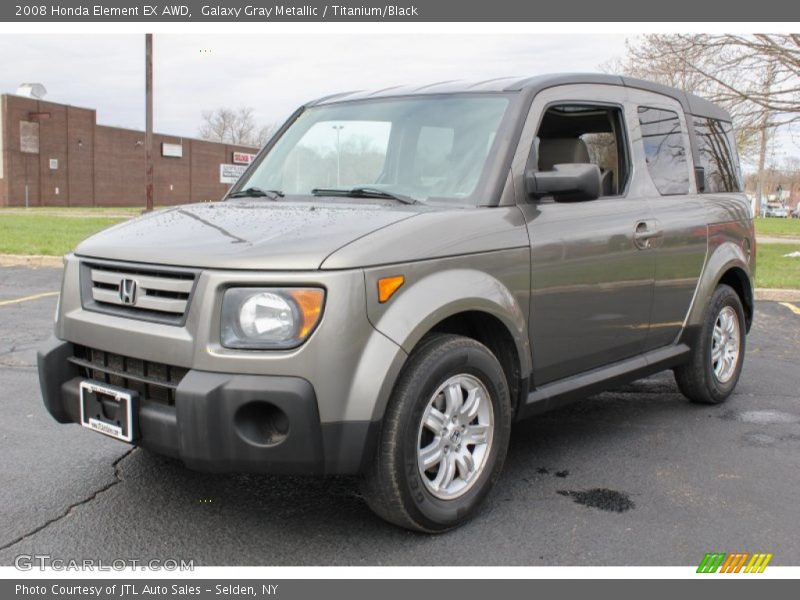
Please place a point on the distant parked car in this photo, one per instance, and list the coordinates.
(776, 211)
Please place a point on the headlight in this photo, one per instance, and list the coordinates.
(264, 318)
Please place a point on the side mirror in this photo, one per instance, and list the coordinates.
(700, 176)
(566, 182)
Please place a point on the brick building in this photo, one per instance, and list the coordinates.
(60, 156)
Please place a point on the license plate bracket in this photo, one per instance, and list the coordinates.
(109, 410)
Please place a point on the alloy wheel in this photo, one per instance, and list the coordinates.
(725, 344)
(455, 436)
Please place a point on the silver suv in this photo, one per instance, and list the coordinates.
(400, 275)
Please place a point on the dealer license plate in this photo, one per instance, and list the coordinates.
(109, 410)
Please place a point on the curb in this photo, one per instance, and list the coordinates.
(34, 261)
(777, 239)
(777, 295)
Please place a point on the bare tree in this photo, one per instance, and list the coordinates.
(265, 133)
(234, 126)
(737, 65)
(755, 77)
(217, 124)
(662, 58)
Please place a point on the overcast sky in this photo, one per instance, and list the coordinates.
(274, 74)
(271, 73)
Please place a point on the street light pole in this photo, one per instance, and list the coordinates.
(338, 129)
(148, 134)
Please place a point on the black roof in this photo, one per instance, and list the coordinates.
(691, 103)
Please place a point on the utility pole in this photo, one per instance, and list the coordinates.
(148, 133)
(769, 79)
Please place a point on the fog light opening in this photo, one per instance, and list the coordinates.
(261, 423)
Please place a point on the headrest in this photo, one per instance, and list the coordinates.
(556, 151)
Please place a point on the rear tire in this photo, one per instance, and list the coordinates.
(444, 438)
(717, 358)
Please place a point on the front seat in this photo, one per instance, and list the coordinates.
(607, 182)
(558, 151)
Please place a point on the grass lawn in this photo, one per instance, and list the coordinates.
(46, 234)
(74, 211)
(773, 270)
(37, 231)
(778, 227)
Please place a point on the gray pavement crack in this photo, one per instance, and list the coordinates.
(74, 506)
(8, 352)
(6, 365)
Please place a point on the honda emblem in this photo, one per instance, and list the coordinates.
(127, 291)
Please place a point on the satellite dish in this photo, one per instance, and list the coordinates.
(32, 90)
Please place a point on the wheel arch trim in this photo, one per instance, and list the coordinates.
(418, 308)
(727, 257)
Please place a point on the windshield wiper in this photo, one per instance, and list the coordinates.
(364, 192)
(256, 192)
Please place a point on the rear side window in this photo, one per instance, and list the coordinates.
(664, 150)
(718, 158)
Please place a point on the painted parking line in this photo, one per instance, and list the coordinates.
(28, 298)
(791, 307)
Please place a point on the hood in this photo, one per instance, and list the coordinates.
(243, 234)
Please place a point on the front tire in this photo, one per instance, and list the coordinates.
(444, 438)
(716, 362)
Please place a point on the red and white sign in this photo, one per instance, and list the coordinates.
(243, 158)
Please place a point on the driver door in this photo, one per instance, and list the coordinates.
(592, 265)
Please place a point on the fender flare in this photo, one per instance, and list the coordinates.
(428, 301)
(724, 257)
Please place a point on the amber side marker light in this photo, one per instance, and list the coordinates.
(388, 286)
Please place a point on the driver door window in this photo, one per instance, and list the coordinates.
(585, 133)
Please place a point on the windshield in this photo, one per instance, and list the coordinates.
(419, 148)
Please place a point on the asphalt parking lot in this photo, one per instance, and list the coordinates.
(637, 476)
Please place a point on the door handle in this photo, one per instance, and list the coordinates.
(645, 232)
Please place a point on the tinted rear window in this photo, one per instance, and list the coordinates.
(664, 150)
(718, 157)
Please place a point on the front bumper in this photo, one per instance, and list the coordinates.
(226, 422)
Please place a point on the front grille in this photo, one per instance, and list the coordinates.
(153, 381)
(151, 294)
